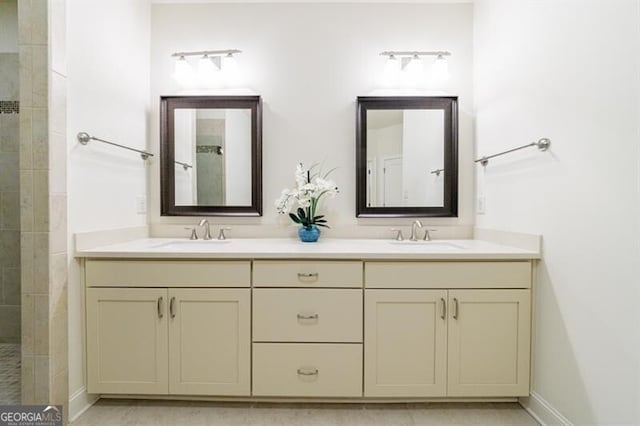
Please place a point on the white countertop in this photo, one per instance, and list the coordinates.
(289, 248)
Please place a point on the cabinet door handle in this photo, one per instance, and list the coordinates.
(443, 313)
(455, 308)
(172, 308)
(308, 275)
(307, 317)
(160, 307)
(305, 371)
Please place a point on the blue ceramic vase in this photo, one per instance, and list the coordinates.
(309, 234)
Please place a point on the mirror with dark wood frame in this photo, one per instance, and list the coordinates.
(407, 156)
(211, 155)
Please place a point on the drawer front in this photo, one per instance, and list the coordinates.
(307, 369)
(447, 274)
(167, 273)
(277, 273)
(307, 315)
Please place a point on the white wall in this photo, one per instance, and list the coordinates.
(185, 132)
(309, 62)
(569, 70)
(237, 155)
(108, 96)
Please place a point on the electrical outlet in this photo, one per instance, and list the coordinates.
(141, 205)
(482, 204)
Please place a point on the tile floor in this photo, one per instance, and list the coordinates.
(9, 373)
(135, 412)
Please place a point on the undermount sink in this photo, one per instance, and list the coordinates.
(190, 244)
(429, 245)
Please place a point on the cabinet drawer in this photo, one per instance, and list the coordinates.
(307, 369)
(276, 273)
(167, 273)
(307, 315)
(447, 274)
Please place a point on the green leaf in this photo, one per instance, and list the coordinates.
(301, 214)
(323, 225)
(294, 218)
(318, 217)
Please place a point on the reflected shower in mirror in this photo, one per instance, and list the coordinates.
(211, 156)
(407, 156)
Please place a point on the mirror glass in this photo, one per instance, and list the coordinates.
(406, 156)
(211, 156)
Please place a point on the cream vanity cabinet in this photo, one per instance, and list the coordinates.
(457, 329)
(167, 327)
(307, 328)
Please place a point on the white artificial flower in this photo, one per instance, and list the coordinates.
(301, 175)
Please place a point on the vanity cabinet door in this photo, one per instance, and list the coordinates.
(489, 335)
(209, 334)
(127, 341)
(405, 346)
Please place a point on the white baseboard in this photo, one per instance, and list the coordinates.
(80, 402)
(544, 413)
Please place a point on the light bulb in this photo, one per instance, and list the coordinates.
(208, 71)
(415, 71)
(392, 70)
(230, 69)
(441, 69)
(183, 73)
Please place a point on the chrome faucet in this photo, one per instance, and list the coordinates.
(221, 235)
(207, 230)
(414, 227)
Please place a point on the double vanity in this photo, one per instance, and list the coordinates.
(340, 320)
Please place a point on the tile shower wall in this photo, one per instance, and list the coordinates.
(9, 200)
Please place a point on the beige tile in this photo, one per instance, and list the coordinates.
(40, 138)
(58, 104)
(39, 28)
(10, 210)
(28, 379)
(27, 262)
(41, 262)
(41, 325)
(26, 200)
(9, 249)
(9, 172)
(26, 145)
(26, 73)
(58, 281)
(24, 22)
(41, 373)
(9, 132)
(28, 324)
(40, 76)
(60, 392)
(41, 200)
(470, 414)
(58, 221)
(11, 286)
(57, 163)
(10, 323)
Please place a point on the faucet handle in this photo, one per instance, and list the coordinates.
(221, 235)
(399, 236)
(194, 235)
(427, 233)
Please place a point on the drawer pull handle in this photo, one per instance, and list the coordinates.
(455, 310)
(307, 371)
(309, 275)
(160, 307)
(172, 308)
(443, 313)
(302, 317)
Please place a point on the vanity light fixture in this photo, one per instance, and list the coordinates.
(412, 64)
(211, 63)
